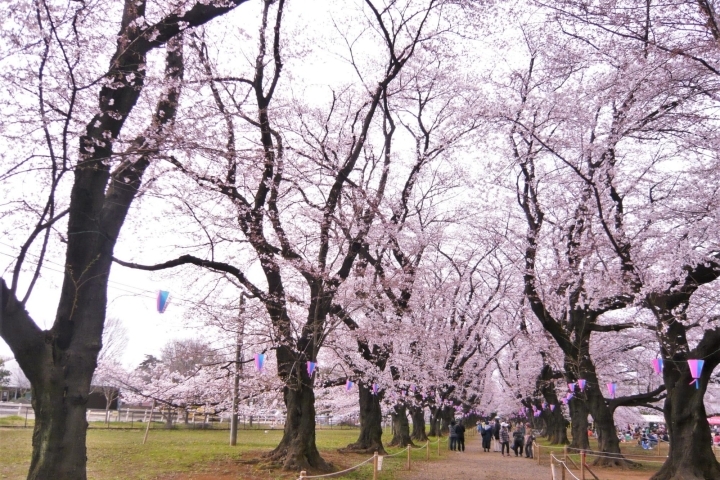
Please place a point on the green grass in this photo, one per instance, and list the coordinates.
(119, 454)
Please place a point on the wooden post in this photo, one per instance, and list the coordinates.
(438, 445)
(562, 475)
(582, 465)
(26, 414)
(147, 428)
(408, 456)
(538, 455)
(303, 474)
(375, 466)
(427, 450)
(565, 454)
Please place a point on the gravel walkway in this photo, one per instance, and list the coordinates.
(474, 464)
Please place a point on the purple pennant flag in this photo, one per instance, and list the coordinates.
(311, 368)
(564, 401)
(571, 387)
(348, 385)
(544, 405)
(412, 388)
(612, 388)
(552, 408)
(259, 361)
(570, 396)
(375, 389)
(163, 299)
(581, 383)
(658, 366)
(696, 367)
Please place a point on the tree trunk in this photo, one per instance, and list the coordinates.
(690, 456)
(401, 427)
(579, 424)
(370, 438)
(556, 432)
(297, 449)
(435, 422)
(447, 414)
(60, 423)
(418, 419)
(608, 442)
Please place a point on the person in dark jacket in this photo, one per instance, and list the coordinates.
(487, 435)
(460, 431)
(518, 440)
(453, 435)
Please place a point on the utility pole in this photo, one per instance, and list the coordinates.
(238, 371)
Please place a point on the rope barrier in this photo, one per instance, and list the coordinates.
(397, 453)
(614, 455)
(337, 473)
(424, 445)
(560, 462)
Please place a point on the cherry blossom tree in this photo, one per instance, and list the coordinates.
(75, 80)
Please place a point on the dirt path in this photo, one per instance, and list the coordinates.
(474, 464)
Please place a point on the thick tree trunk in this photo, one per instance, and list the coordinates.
(60, 423)
(401, 427)
(418, 419)
(690, 456)
(579, 424)
(556, 426)
(370, 438)
(297, 449)
(608, 442)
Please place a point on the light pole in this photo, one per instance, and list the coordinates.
(238, 370)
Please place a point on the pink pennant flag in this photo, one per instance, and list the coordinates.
(696, 367)
(658, 366)
(259, 361)
(348, 385)
(612, 387)
(571, 387)
(311, 368)
(581, 383)
(552, 408)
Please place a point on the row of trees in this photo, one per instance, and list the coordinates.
(449, 230)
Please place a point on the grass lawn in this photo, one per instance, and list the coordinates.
(193, 454)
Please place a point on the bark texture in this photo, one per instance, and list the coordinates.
(370, 437)
(418, 419)
(401, 427)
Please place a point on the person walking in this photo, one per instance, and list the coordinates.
(529, 439)
(487, 435)
(504, 439)
(518, 440)
(453, 435)
(460, 432)
(496, 434)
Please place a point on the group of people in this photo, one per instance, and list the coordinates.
(457, 436)
(498, 434)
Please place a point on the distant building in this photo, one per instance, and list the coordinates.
(14, 394)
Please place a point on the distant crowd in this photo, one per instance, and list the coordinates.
(497, 436)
